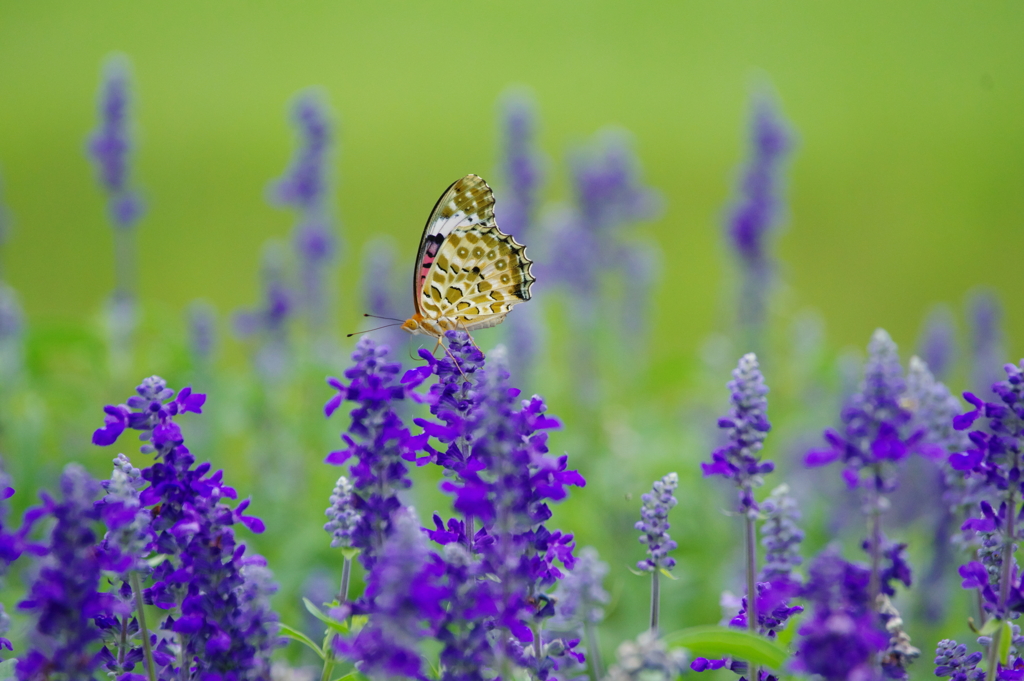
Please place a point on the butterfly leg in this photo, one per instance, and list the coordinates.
(471, 339)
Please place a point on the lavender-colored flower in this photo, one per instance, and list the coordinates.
(305, 184)
(877, 430)
(653, 524)
(842, 638)
(781, 537)
(937, 344)
(343, 517)
(522, 173)
(406, 605)
(269, 322)
(130, 535)
(647, 659)
(503, 482)
(110, 146)
(756, 210)
(934, 407)
(202, 331)
(65, 596)
(747, 426)
(993, 458)
(952, 660)
(522, 165)
(378, 441)
(452, 399)
(579, 607)
(985, 316)
(586, 240)
(220, 624)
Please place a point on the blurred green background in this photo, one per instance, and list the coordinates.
(906, 189)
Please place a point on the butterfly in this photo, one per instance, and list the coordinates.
(469, 274)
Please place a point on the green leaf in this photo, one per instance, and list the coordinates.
(991, 627)
(353, 675)
(1005, 638)
(349, 553)
(297, 635)
(667, 574)
(331, 623)
(638, 573)
(7, 669)
(738, 643)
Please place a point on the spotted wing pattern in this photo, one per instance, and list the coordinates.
(467, 202)
(478, 273)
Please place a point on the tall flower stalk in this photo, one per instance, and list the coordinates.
(110, 148)
(757, 211)
(994, 457)
(653, 526)
(306, 188)
(739, 460)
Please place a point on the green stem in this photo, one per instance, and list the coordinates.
(751, 536)
(1005, 571)
(655, 601)
(143, 629)
(593, 654)
(346, 577)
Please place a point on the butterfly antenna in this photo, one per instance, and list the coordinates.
(356, 333)
(390, 319)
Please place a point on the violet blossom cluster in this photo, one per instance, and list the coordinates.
(877, 430)
(993, 458)
(217, 619)
(842, 638)
(8, 553)
(653, 524)
(305, 187)
(501, 480)
(110, 145)
(758, 206)
(65, 596)
(522, 170)
(379, 443)
(746, 426)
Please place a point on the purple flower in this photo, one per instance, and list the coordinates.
(653, 524)
(522, 165)
(952, 660)
(991, 466)
(404, 588)
(842, 638)
(937, 344)
(758, 204)
(877, 431)
(452, 399)
(522, 173)
(747, 426)
(65, 598)
(502, 481)
(781, 537)
(269, 322)
(579, 607)
(305, 184)
(216, 604)
(110, 145)
(379, 443)
(130, 535)
(343, 517)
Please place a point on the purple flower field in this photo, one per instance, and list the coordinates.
(176, 532)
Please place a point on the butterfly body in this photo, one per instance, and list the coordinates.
(469, 274)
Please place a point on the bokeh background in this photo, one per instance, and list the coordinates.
(905, 189)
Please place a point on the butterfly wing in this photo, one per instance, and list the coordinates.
(467, 202)
(478, 275)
